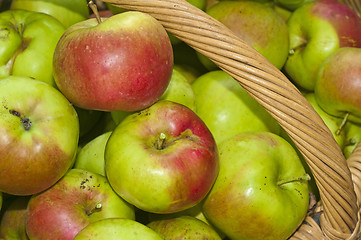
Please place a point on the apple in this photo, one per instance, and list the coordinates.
(258, 24)
(179, 90)
(28, 43)
(261, 191)
(189, 72)
(78, 199)
(40, 132)
(338, 84)
(117, 228)
(353, 137)
(68, 12)
(123, 63)
(332, 122)
(91, 156)
(316, 30)
(184, 227)
(292, 4)
(162, 159)
(12, 225)
(227, 109)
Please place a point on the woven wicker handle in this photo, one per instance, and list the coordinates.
(278, 96)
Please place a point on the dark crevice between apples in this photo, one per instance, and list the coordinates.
(163, 142)
(24, 120)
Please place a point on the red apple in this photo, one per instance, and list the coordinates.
(163, 159)
(78, 199)
(123, 63)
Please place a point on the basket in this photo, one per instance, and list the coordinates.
(337, 215)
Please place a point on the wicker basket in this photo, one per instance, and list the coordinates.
(338, 180)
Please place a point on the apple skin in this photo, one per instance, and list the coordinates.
(179, 90)
(12, 225)
(123, 63)
(63, 210)
(40, 132)
(227, 108)
(184, 227)
(258, 24)
(338, 84)
(162, 176)
(332, 122)
(91, 156)
(117, 228)
(249, 200)
(68, 12)
(28, 43)
(292, 4)
(353, 137)
(316, 30)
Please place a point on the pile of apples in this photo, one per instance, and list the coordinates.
(112, 128)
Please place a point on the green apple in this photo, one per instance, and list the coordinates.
(40, 132)
(338, 84)
(179, 90)
(91, 156)
(68, 12)
(184, 227)
(78, 199)
(12, 225)
(258, 24)
(227, 109)
(27, 44)
(162, 159)
(353, 137)
(332, 122)
(316, 30)
(189, 72)
(117, 228)
(261, 191)
(292, 4)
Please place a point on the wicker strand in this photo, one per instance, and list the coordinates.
(276, 94)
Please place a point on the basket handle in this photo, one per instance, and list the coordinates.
(275, 93)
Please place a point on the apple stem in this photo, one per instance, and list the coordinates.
(338, 132)
(304, 177)
(161, 141)
(97, 207)
(94, 8)
(350, 142)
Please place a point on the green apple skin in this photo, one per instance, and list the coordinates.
(78, 199)
(316, 30)
(261, 191)
(179, 90)
(258, 24)
(133, 58)
(27, 44)
(12, 225)
(338, 84)
(353, 137)
(292, 4)
(68, 12)
(184, 227)
(189, 72)
(227, 108)
(332, 122)
(40, 130)
(162, 159)
(91, 156)
(117, 228)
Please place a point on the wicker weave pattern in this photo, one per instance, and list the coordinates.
(339, 218)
